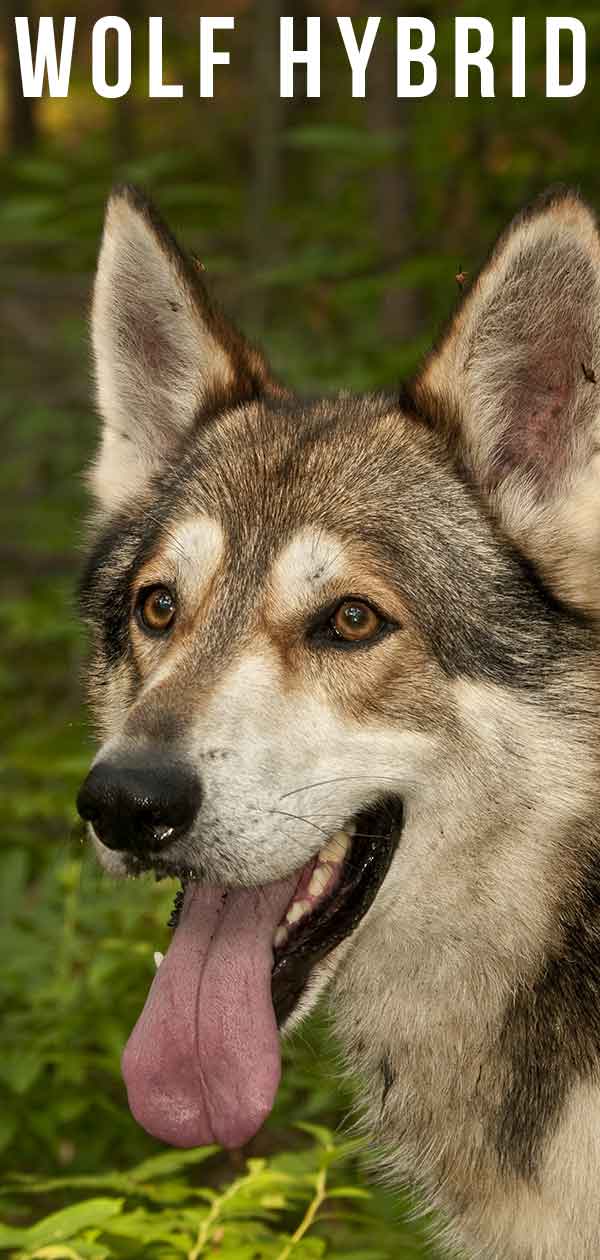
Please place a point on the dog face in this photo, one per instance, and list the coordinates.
(293, 605)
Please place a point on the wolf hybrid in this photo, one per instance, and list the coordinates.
(347, 677)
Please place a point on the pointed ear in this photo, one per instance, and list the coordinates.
(515, 387)
(163, 351)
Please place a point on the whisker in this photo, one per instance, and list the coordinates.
(342, 778)
(357, 835)
(367, 835)
(298, 818)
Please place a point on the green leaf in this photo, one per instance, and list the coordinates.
(8, 1129)
(20, 1068)
(152, 1227)
(10, 1237)
(344, 140)
(69, 1221)
(348, 1192)
(85, 1251)
(170, 1162)
(318, 1131)
(56, 1253)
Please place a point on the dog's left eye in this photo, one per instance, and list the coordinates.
(352, 623)
(355, 621)
(155, 609)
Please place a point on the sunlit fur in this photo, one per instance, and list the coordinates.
(466, 510)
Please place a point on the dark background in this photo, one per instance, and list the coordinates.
(333, 230)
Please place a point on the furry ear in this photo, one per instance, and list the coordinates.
(515, 387)
(163, 352)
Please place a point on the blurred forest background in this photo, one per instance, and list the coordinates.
(334, 230)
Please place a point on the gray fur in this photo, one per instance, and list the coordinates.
(468, 998)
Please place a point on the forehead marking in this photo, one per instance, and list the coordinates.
(197, 544)
(195, 550)
(312, 558)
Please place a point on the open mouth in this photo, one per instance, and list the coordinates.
(203, 1061)
(334, 894)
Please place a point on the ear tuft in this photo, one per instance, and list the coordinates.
(513, 385)
(163, 351)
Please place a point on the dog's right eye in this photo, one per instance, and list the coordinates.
(155, 609)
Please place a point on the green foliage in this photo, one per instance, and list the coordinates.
(342, 257)
(294, 1205)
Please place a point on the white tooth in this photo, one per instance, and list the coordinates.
(319, 880)
(297, 910)
(158, 957)
(280, 936)
(336, 848)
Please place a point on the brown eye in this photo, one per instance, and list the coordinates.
(355, 622)
(156, 609)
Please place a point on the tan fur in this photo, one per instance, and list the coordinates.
(130, 390)
(481, 359)
(467, 1000)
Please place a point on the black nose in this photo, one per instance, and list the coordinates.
(139, 806)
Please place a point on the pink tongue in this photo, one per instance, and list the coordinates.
(203, 1063)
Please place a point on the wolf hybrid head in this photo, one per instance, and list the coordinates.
(330, 643)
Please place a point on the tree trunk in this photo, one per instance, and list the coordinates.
(393, 197)
(21, 116)
(265, 192)
(125, 131)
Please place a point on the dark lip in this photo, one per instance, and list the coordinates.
(135, 865)
(378, 831)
